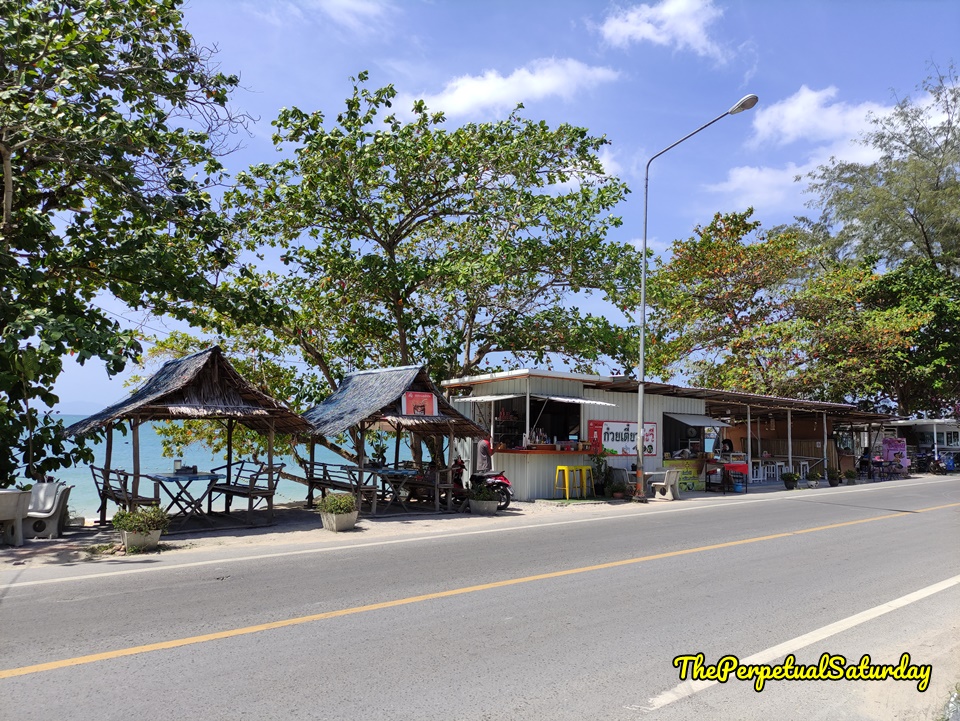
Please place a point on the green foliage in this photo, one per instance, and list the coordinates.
(789, 477)
(833, 474)
(618, 487)
(849, 474)
(406, 242)
(337, 503)
(111, 120)
(142, 520)
(480, 491)
(814, 475)
(722, 307)
(906, 204)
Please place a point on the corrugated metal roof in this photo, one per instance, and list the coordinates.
(373, 397)
(199, 386)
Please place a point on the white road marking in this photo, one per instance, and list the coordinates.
(690, 687)
(643, 510)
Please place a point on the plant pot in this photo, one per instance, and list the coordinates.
(790, 485)
(834, 482)
(338, 522)
(148, 541)
(618, 495)
(483, 508)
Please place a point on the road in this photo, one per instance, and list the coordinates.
(566, 619)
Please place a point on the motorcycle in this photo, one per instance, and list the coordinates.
(937, 466)
(493, 479)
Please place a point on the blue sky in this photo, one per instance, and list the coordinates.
(642, 74)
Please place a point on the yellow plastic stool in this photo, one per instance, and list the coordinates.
(586, 477)
(567, 472)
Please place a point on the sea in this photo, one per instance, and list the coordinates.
(85, 502)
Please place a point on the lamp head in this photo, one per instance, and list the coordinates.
(745, 103)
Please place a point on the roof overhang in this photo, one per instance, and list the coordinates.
(698, 421)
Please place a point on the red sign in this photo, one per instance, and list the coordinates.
(418, 403)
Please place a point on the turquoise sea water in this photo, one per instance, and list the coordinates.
(83, 498)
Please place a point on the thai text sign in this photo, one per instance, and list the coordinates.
(619, 438)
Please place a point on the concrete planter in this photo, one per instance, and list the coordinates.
(483, 508)
(148, 541)
(340, 521)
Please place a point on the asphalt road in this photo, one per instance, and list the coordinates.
(566, 619)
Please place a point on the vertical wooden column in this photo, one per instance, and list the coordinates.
(826, 475)
(135, 491)
(107, 460)
(790, 441)
(311, 449)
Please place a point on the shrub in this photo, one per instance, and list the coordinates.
(790, 477)
(482, 492)
(814, 476)
(833, 474)
(142, 520)
(849, 474)
(337, 503)
(618, 487)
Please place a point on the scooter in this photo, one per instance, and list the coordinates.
(494, 479)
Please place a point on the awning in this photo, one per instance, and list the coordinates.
(487, 399)
(698, 421)
(571, 399)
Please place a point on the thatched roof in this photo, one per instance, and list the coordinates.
(200, 386)
(374, 399)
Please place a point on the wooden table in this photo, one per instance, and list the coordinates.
(177, 488)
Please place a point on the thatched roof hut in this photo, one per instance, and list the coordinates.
(374, 399)
(201, 386)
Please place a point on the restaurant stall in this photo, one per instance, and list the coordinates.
(201, 386)
(542, 419)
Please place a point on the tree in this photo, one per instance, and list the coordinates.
(741, 310)
(111, 121)
(905, 204)
(404, 242)
(722, 313)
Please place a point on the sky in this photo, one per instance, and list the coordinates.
(642, 74)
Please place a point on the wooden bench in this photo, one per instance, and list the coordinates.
(257, 482)
(115, 485)
(327, 477)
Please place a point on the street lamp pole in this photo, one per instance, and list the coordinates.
(745, 103)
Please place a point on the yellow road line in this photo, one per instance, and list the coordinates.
(232, 633)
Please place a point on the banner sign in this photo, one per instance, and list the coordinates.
(417, 403)
(619, 438)
(895, 449)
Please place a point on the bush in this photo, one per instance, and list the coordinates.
(833, 474)
(337, 503)
(790, 477)
(142, 520)
(482, 492)
(814, 476)
(849, 474)
(618, 487)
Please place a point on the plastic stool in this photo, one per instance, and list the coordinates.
(568, 472)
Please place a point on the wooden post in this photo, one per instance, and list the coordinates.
(135, 491)
(107, 460)
(229, 449)
(790, 440)
(312, 446)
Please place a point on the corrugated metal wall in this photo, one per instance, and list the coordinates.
(533, 476)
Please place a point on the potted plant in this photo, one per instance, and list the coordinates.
(833, 476)
(483, 499)
(790, 480)
(851, 476)
(601, 471)
(379, 445)
(140, 529)
(813, 479)
(618, 489)
(338, 511)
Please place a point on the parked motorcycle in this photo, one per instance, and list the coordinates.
(494, 479)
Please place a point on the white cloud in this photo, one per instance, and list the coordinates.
(809, 115)
(491, 91)
(681, 24)
(358, 16)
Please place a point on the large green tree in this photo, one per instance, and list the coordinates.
(111, 121)
(738, 309)
(906, 203)
(406, 242)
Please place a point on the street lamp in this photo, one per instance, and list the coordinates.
(745, 103)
